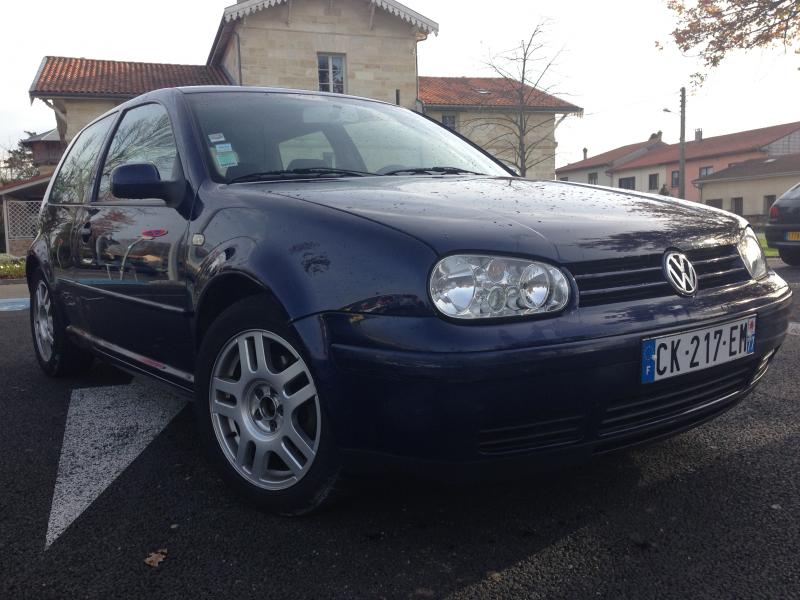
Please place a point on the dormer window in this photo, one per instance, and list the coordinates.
(331, 73)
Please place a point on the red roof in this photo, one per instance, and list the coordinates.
(732, 143)
(608, 158)
(62, 76)
(485, 91)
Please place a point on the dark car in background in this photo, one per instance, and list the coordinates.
(339, 282)
(783, 229)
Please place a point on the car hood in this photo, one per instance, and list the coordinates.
(561, 221)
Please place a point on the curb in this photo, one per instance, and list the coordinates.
(12, 281)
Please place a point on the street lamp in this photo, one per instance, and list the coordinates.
(682, 161)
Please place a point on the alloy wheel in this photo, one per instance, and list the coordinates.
(43, 321)
(265, 410)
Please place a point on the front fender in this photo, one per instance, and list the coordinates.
(314, 259)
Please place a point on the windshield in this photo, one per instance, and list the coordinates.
(273, 136)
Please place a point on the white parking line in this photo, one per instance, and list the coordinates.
(107, 428)
(12, 304)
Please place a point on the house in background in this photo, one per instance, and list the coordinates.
(705, 156)
(751, 187)
(484, 109)
(599, 169)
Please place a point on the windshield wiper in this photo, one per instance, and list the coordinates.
(299, 173)
(433, 170)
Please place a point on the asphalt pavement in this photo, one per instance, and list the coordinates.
(93, 482)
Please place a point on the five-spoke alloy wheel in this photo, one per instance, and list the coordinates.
(264, 409)
(261, 412)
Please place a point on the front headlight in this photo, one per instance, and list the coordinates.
(752, 254)
(482, 287)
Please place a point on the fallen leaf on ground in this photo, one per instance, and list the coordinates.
(156, 558)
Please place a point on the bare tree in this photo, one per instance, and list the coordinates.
(515, 131)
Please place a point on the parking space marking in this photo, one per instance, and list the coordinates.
(12, 304)
(106, 429)
(794, 328)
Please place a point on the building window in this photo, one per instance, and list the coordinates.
(706, 171)
(592, 178)
(652, 181)
(737, 206)
(715, 202)
(331, 73)
(563, 178)
(676, 178)
(627, 183)
(449, 121)
(768, 202)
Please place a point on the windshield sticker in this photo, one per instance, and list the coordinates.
(223, 148)
(226, 159)
(215, 138)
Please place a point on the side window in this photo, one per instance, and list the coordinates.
(71, 185)
(307, 151)
(144, 135)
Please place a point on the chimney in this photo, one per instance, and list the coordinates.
(585, 153)
(698, 135)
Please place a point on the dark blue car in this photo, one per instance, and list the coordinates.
(342, 282)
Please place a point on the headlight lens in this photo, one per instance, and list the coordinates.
(482, 287)
(752, 254)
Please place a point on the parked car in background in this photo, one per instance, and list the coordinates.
(783, 230)
(339, 281)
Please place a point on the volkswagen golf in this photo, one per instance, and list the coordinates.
(339, 281)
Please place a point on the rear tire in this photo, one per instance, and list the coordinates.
(260, 414)
(56, 352)
(791, 256)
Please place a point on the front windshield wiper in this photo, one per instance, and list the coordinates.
(433, 170)
(299, 173)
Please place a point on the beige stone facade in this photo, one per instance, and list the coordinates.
(755, 193)
(79, 112)
(480, 127)
(279, 47)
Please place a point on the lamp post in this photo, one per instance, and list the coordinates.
(682, 159)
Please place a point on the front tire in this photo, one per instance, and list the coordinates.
(56, 352)
(791, 256)
(260, 413)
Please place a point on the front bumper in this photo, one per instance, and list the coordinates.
(427, 390)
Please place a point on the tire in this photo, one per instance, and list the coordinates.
(56, 352)
(263, 422)
(791, 256)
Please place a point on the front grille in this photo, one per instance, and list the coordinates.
(660, 401)
(625, 279)
(533, 435)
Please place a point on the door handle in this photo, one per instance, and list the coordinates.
(86, 232)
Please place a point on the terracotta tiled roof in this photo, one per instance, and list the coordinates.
(491, 92)
(62, 76)
(732, 143)
(608, 158)
(788, 164)
(23, 183)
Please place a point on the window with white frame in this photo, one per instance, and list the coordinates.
(592, 178)
(449, 121)
(331, 73)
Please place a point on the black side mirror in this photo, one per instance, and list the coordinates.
(140, 181)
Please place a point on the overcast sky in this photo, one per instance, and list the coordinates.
(609, 63)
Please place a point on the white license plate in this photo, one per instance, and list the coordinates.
(691, 351)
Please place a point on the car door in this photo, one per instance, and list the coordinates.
(132, 254)
(71, 187)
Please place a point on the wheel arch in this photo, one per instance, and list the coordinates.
(223, 291)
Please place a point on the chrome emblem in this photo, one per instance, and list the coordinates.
(680, 273)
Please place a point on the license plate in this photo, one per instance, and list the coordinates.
(793, 236)
(690, 351)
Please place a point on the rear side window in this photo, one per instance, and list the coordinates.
(73, 182)
(144, 136)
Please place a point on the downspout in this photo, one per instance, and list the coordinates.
(238, 55)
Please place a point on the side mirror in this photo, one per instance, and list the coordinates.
(140, 181)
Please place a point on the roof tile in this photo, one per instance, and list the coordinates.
(63, 76)
(490, 92)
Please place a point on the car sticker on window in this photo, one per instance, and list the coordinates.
(223, 148)
(226, 159)
(215, 138)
